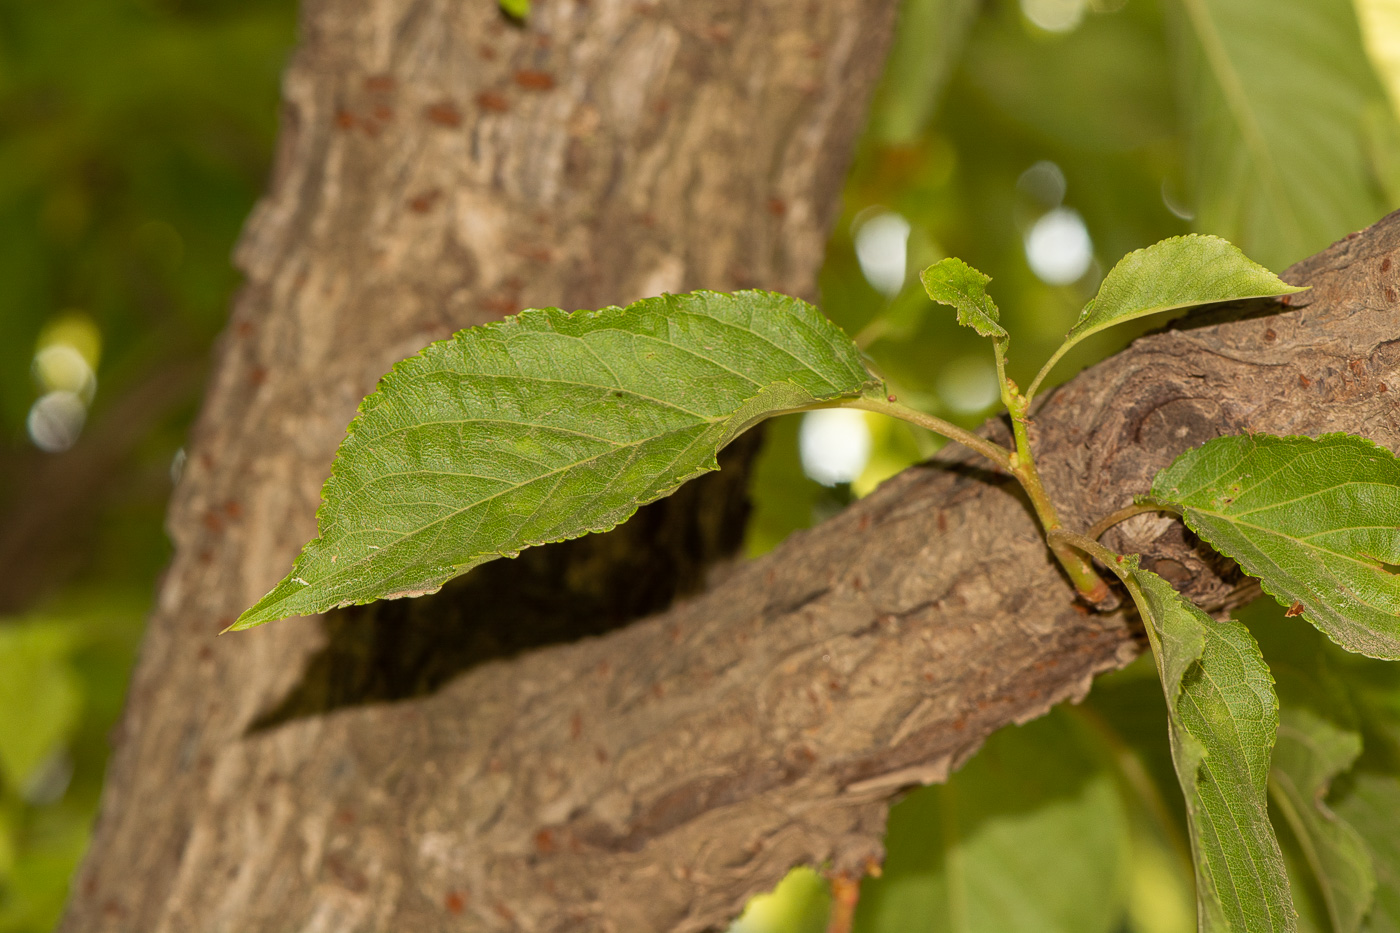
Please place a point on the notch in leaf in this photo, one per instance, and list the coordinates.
(1175, 273)
(1316, 520)
(550, 425)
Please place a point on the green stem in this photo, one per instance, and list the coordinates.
(1081, 571)
(992, 451)
(1137, 508)
(1045, 370)
(1020, 464)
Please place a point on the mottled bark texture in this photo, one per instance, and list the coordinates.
(440, 168)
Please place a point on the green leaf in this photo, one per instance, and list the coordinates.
(1178, 272)
(1030, 836)
(547, 426)
(1274, 92)
(519, 9)
(1310, 753)
(1317, 520)
(1223, 715)
(1372, 805)
(953, 282)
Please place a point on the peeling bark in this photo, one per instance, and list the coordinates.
(653, 777)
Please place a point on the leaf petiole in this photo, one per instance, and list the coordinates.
(1020, 464)
(989, 449)
(1096, 530)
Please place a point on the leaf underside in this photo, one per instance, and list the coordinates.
(954, 283)
(1175, 273)
(1317, 520)
(1223, 715)
(546, 426)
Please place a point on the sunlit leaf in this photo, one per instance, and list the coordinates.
(1223, 715)
(1317, 520)
(520, 9)
(953, 282)
(547, 426)
(1175, 273)
(1028, 837)
(1275, 90)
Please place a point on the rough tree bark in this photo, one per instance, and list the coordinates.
(435, 173)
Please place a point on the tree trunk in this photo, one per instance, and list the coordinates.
(435, 173)
(440, 167)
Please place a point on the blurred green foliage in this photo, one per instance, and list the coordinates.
(134, 137)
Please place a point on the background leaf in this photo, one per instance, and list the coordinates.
(1373, 807)
(953, 282)
(548, 426)
(1223, 716)
(1316, 520)
(1028, 837)
(1275, 94)
(1310, 753)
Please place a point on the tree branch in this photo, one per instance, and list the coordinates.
(654, 777)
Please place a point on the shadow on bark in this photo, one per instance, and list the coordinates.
(404, 648)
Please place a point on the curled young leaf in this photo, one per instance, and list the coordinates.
(953, 282)
(1223, 715)
(1316, 520)
(550, 425)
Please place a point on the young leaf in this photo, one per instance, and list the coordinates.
(1175, 273)
(1223, 715)
(953, 282)
(1311, 752)
(1317, 520)
(547, 426)
(519, 9)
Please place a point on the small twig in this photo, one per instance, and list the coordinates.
(845, 894)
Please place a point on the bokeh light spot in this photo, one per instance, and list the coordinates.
(1054, 15)
(834, 444)
(56, 420)
(1058, 247)
(1044, 182)
(968, 385)
(882, 247)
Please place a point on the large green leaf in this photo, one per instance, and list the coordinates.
(547, 426)
(1372, 805)
(1029, 837)
(1223, 716)
(1317, 520)
(1275, 91)
(953, 282)
(1175, 273)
